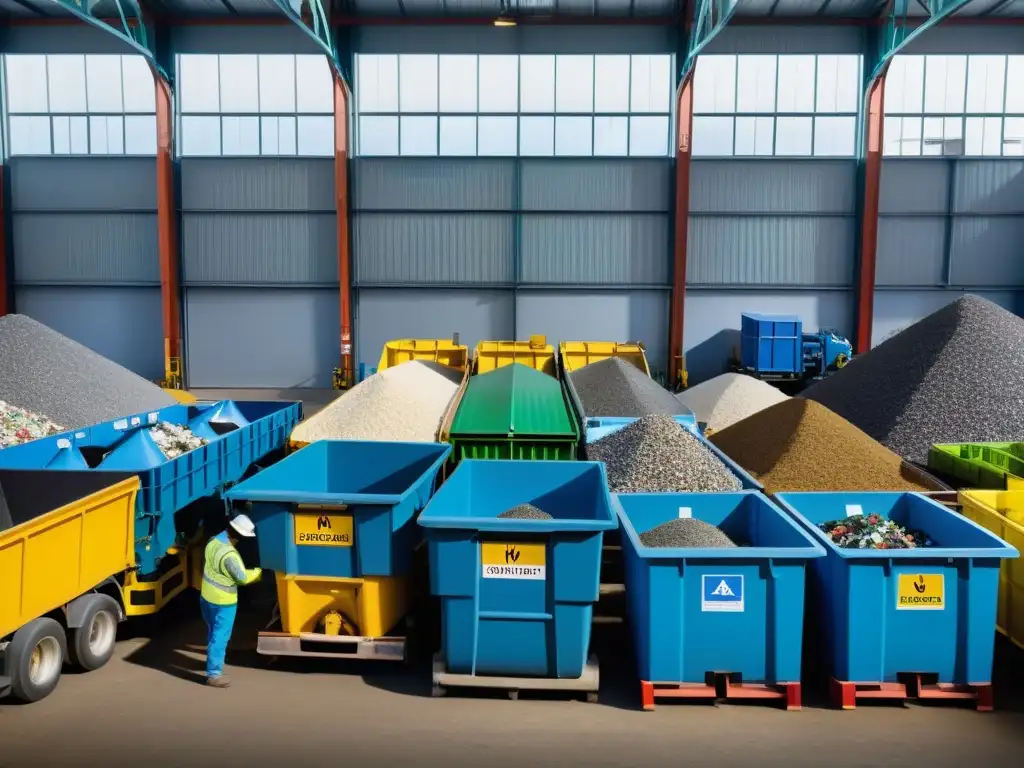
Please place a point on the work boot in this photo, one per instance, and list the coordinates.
(220, 681)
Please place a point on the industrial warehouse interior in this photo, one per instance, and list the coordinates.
(625, 383)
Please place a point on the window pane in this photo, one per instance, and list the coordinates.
(497, 136)
(277, 83)
(536, 84)
(986, 76)
(945, 82)
(199, 84)
(139, 88)
(911, 137)
(26, 87)
(277, 135)
(61, 135)
(458, 135)
(288, 135)
(712, 136)
(314, 92)
(904, 85)
(993, 142)
(714, 85)
(30, 135)
(891, 130)
(140, 135)
(793, 136)
(377, 83)
(418, 136)
(378, 135)
(574, 136)
(537, 136)
(611, 136)
(315, 135)
(80, 135)
(103, 83)
(648, 136)
(755, 85)
(499, 84)
(240, 136)
(796, 84)
(1013, 136)
(650, 83)
(239, 92)
(574, 84)
(417, 84)
(106, 135)
(200, 136)
(66, 81)
(835, 136)
(838, 84)
(755, 136)
(611, 83)
(1015, 85)
(457, 81)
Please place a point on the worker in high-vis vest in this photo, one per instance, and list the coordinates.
(223, 573)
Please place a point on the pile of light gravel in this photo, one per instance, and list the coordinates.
(46, 373)
(686, 532)
(722, 401)
(655, 453)
(613, 387)
(404, 403)
(525, 512)
(955, 376)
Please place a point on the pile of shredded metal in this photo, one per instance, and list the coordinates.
(873, 532)
(19, 426)
(174, 440)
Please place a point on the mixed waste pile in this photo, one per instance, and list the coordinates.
(174, 440)
(20, 426)
(873, 532)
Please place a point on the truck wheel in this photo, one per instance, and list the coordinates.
(34, 659)
(92, 644)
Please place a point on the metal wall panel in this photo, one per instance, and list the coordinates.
(475, 38)
(211, 184)
(83, 184)
(60, 38)
(951, 38)
(639, 186)
(218, 38)
(401, 313)
(740, 38)
(713, 321)
(409, 184)
(245, 337)
(773, 186)
(987, 252)
(989, 186)
(915, 186)
(896, 310)
(122, 324)
(911, 250)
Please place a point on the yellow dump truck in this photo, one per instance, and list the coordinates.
(64, 548)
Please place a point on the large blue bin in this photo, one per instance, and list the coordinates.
(239, 433)
(342, 508)
(928, 610)
(771, 343)
(684, 622)
(517, 596)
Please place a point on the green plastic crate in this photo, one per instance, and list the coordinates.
(979, 465)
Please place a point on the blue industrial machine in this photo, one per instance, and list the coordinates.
(775, 348)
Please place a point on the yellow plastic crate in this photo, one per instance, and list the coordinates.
(1002, 513)
(374, 604)
(535, 353)
(576, 354)
(437, 350)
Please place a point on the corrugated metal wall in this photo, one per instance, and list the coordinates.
(260, 270)
(85, 253)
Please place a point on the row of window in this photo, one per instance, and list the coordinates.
(767, 136)
(71, 84)
(956, 136)
(955, 85)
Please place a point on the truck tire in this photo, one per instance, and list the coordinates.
(91, 645)
(34, 659)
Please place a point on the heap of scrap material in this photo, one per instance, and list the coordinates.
(63, 382)
(953, 377)
(20, 426)
(403, 403)
(722, 401)
(613, 387)
(800, 445)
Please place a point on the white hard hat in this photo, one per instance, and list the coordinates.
(243, 526)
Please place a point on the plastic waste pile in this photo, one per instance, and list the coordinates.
(20, 426)
(873, 532)
(174, 440)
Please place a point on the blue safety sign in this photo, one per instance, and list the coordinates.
(722, 593)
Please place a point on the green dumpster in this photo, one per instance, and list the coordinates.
(979, 465)
(514, 412)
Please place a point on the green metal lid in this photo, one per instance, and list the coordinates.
(514, 400)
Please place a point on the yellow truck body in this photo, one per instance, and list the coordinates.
(577, 354)
(440, 351)
(535, 353)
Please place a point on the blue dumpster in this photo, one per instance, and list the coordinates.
(517, 595)
(695, 611)
(886, 612)
(342, 508)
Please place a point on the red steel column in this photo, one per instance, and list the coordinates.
(341, 206)
(684, 122)
(167, 230)
(869, 214)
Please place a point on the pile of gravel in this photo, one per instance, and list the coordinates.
(655, 454)
(51, 375)
(955, 376)
(404, 403)
(613, 387)
(724, 400)
(525, 512)
(686, 532)
(800, 445)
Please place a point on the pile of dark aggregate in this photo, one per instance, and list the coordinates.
(613, 387)
(686, 532)
(525, 512)
(49, 374)
(955, 376)
(656, 454)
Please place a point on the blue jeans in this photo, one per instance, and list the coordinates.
(220, 620)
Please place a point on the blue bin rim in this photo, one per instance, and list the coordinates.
(812, 551)
(614, 421)
(238, 493)
(506, 525)
(999, 549)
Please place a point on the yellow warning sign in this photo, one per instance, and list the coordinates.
(319, 529)
(513, 561)
(921, 592)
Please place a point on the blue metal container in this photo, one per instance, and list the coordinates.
(239, 434)
(342, 508)
(929, 610)
(694, 611)
(517, 596)
(771, 344)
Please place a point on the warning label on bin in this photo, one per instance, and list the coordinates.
(513, 561)
(314, 529)
(921, 592)
(722, 593)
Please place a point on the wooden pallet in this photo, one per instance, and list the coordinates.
(587, 684)
(844, 694)
(719, 687)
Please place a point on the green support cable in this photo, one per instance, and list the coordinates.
(316, 23)
(896, 34)
(709, 18)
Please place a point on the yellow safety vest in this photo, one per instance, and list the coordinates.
(219, 587)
